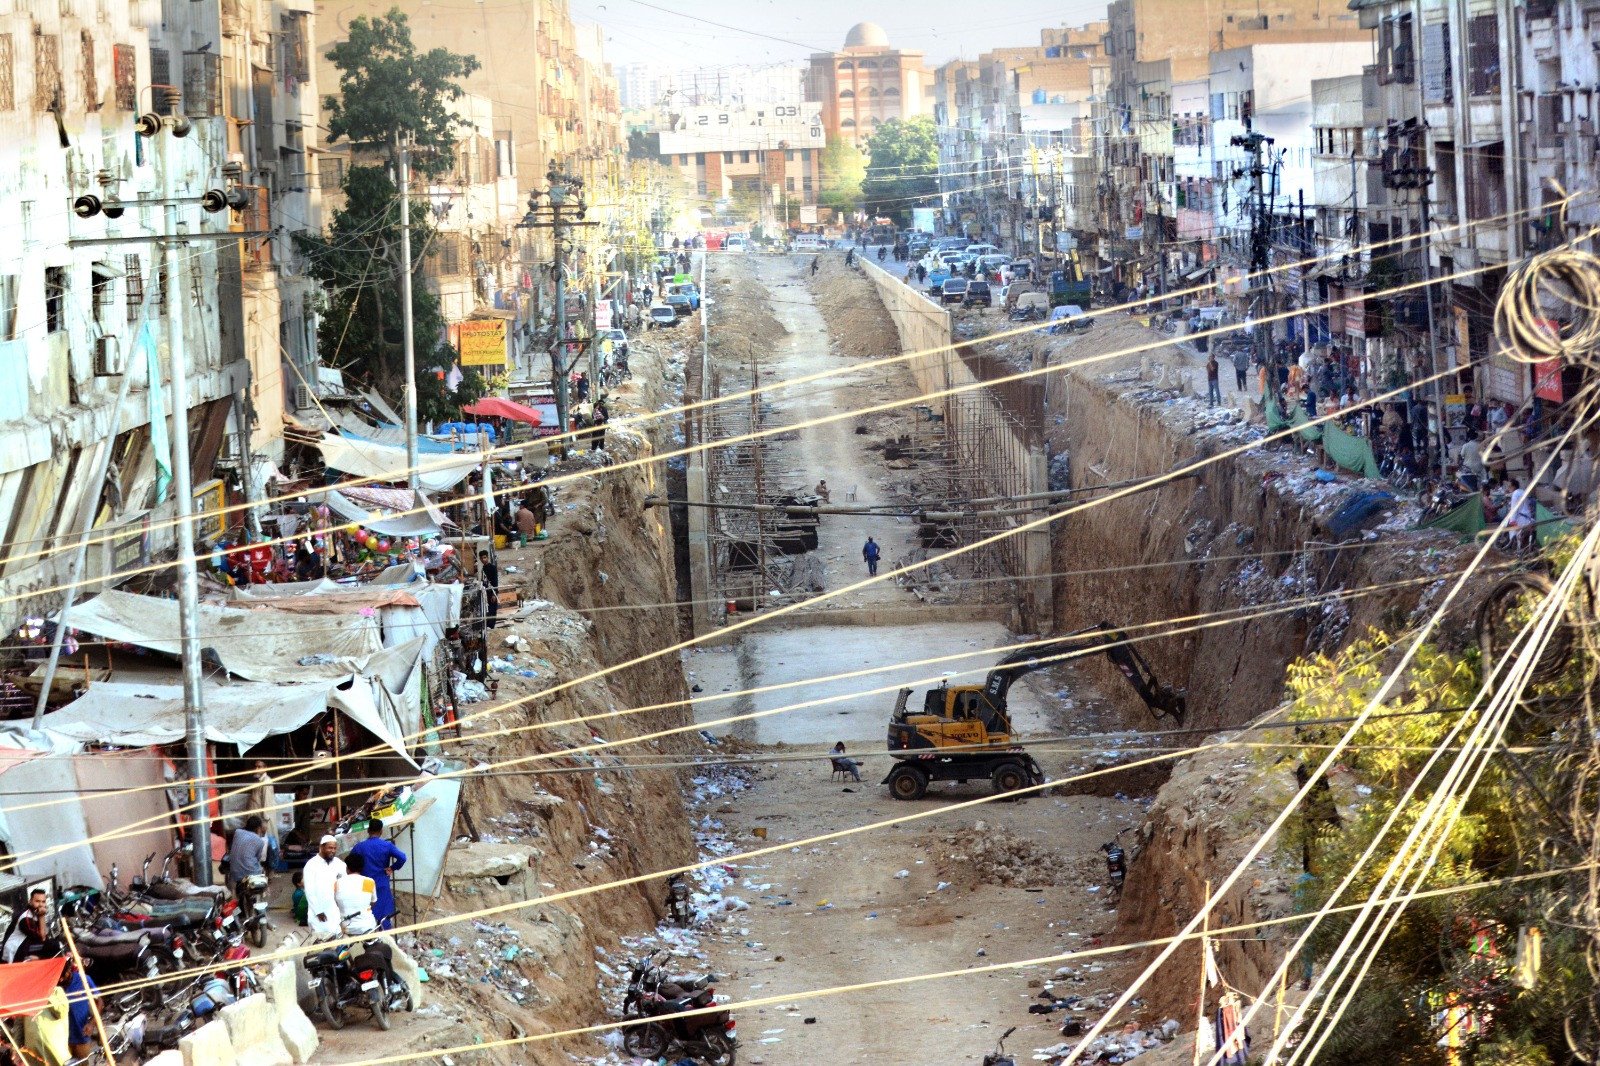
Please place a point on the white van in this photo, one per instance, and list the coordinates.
(737, 244)
(809, 242)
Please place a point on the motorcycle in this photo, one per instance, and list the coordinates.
(710, 1037)
(253, 908)
(1116, 864)
(679, 905)
(356, 975)
(999, 1057)
(648, 975)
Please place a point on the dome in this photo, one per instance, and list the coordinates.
(866, 35)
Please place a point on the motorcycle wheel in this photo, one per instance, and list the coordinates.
(723, 1052)
(400, 997)
(330, 1011)
(645, 1041)
(380, 1009)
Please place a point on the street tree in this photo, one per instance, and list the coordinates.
(843, 169)
(389, 93)
(903, 168)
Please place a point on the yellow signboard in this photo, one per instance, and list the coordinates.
(483, 342)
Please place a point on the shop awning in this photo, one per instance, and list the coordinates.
(382, 462)
(137, 715)
(248, 644)
(498, 407)
(424, 521)
(25, 987)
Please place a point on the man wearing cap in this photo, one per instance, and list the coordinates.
(322, 872)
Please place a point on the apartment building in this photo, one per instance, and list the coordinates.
(769, 156)
(866, 83)
(88, 299)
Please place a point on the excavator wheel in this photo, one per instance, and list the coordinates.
(907, 783)
(1009, 777)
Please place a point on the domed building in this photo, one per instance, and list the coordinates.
(866, 83)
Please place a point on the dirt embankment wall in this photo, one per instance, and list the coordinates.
(549, 820)
(1248, 538)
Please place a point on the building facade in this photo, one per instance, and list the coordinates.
(867, 83)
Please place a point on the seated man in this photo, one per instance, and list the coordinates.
(844, 765)
(354, 894)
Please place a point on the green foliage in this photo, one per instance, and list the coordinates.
(386, 85)
(843, 170)
(904, 167)
(361, 328)
(1435, 953)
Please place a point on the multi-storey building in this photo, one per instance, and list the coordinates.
(78, 317)
(769, 157)
(867, 83)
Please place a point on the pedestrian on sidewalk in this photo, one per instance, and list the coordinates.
(1241, 366)
(870, 552)
(1213, 389)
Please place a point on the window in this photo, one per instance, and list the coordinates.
(133, 277)
(891, 91)
(789, 156)
(846, 94)
(330, 172)
(788, 183)
(744, 157)
(91, 84)
(46, 72)
(160, 74)
(8, 307)
(847, 65)
(296, 63)
(846, 123)
(1483, 55)
(202, 84)
(702, 188)
(683, 160)
(55, 299)
(869, 91)
(1486, 180)
(699, 159)
(1404, 68)
(124, 73)
(1436, 84)
(102, 292)
(727, 157)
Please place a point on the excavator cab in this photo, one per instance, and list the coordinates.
(952, 716)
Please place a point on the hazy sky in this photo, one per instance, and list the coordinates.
(671, 32)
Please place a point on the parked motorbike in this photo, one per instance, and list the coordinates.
(648, 975)
(679, 905)
(710, 1037)
(1116, 864)
(999, 1057)
(253, 908)
(356, 975)
(149, 1031)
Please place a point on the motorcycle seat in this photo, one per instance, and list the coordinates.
(114, 936)
(329, 959)
(117, 952)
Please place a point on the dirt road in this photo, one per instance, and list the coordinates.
(911, 899)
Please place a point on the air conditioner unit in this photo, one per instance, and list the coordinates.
(304, 398)
(107, 357)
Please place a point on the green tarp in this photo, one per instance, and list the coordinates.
(1465, 518)
(1351, 452)
(1549, 526)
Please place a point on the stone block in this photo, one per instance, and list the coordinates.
(208, 1045)
(296, 1030)
(253, 1028)
(166, 1058)
(405, 967)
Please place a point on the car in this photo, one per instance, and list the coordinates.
(737, 244)
(953, 291)
(936, 280)
(618, 339)
(981, 249)
(978, 293)
(661, 316)
(686, 288)
(1069, 317)
(949, 243)
(990, 263)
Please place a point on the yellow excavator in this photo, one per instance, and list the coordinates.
(963, 732)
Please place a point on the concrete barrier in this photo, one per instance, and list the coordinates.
(253, 1028)
(405, 967)
(166, 1058)
(298, 1033)
(208, 1045)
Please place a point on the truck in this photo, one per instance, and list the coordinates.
(923, 219)
(963, 732)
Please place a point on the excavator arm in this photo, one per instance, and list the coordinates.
(1163, 701)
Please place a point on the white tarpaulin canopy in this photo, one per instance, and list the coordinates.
(384, 463)
(253, 644)
(425, 520)
(139, 715)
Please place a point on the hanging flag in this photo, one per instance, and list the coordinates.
(160, 436)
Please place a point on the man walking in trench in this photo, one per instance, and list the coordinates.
(870, 553)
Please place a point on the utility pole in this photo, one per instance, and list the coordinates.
(403, 167)
(557, 201)
(1260, 229)
(194, 711)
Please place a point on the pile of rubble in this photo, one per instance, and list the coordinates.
(998, 857)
